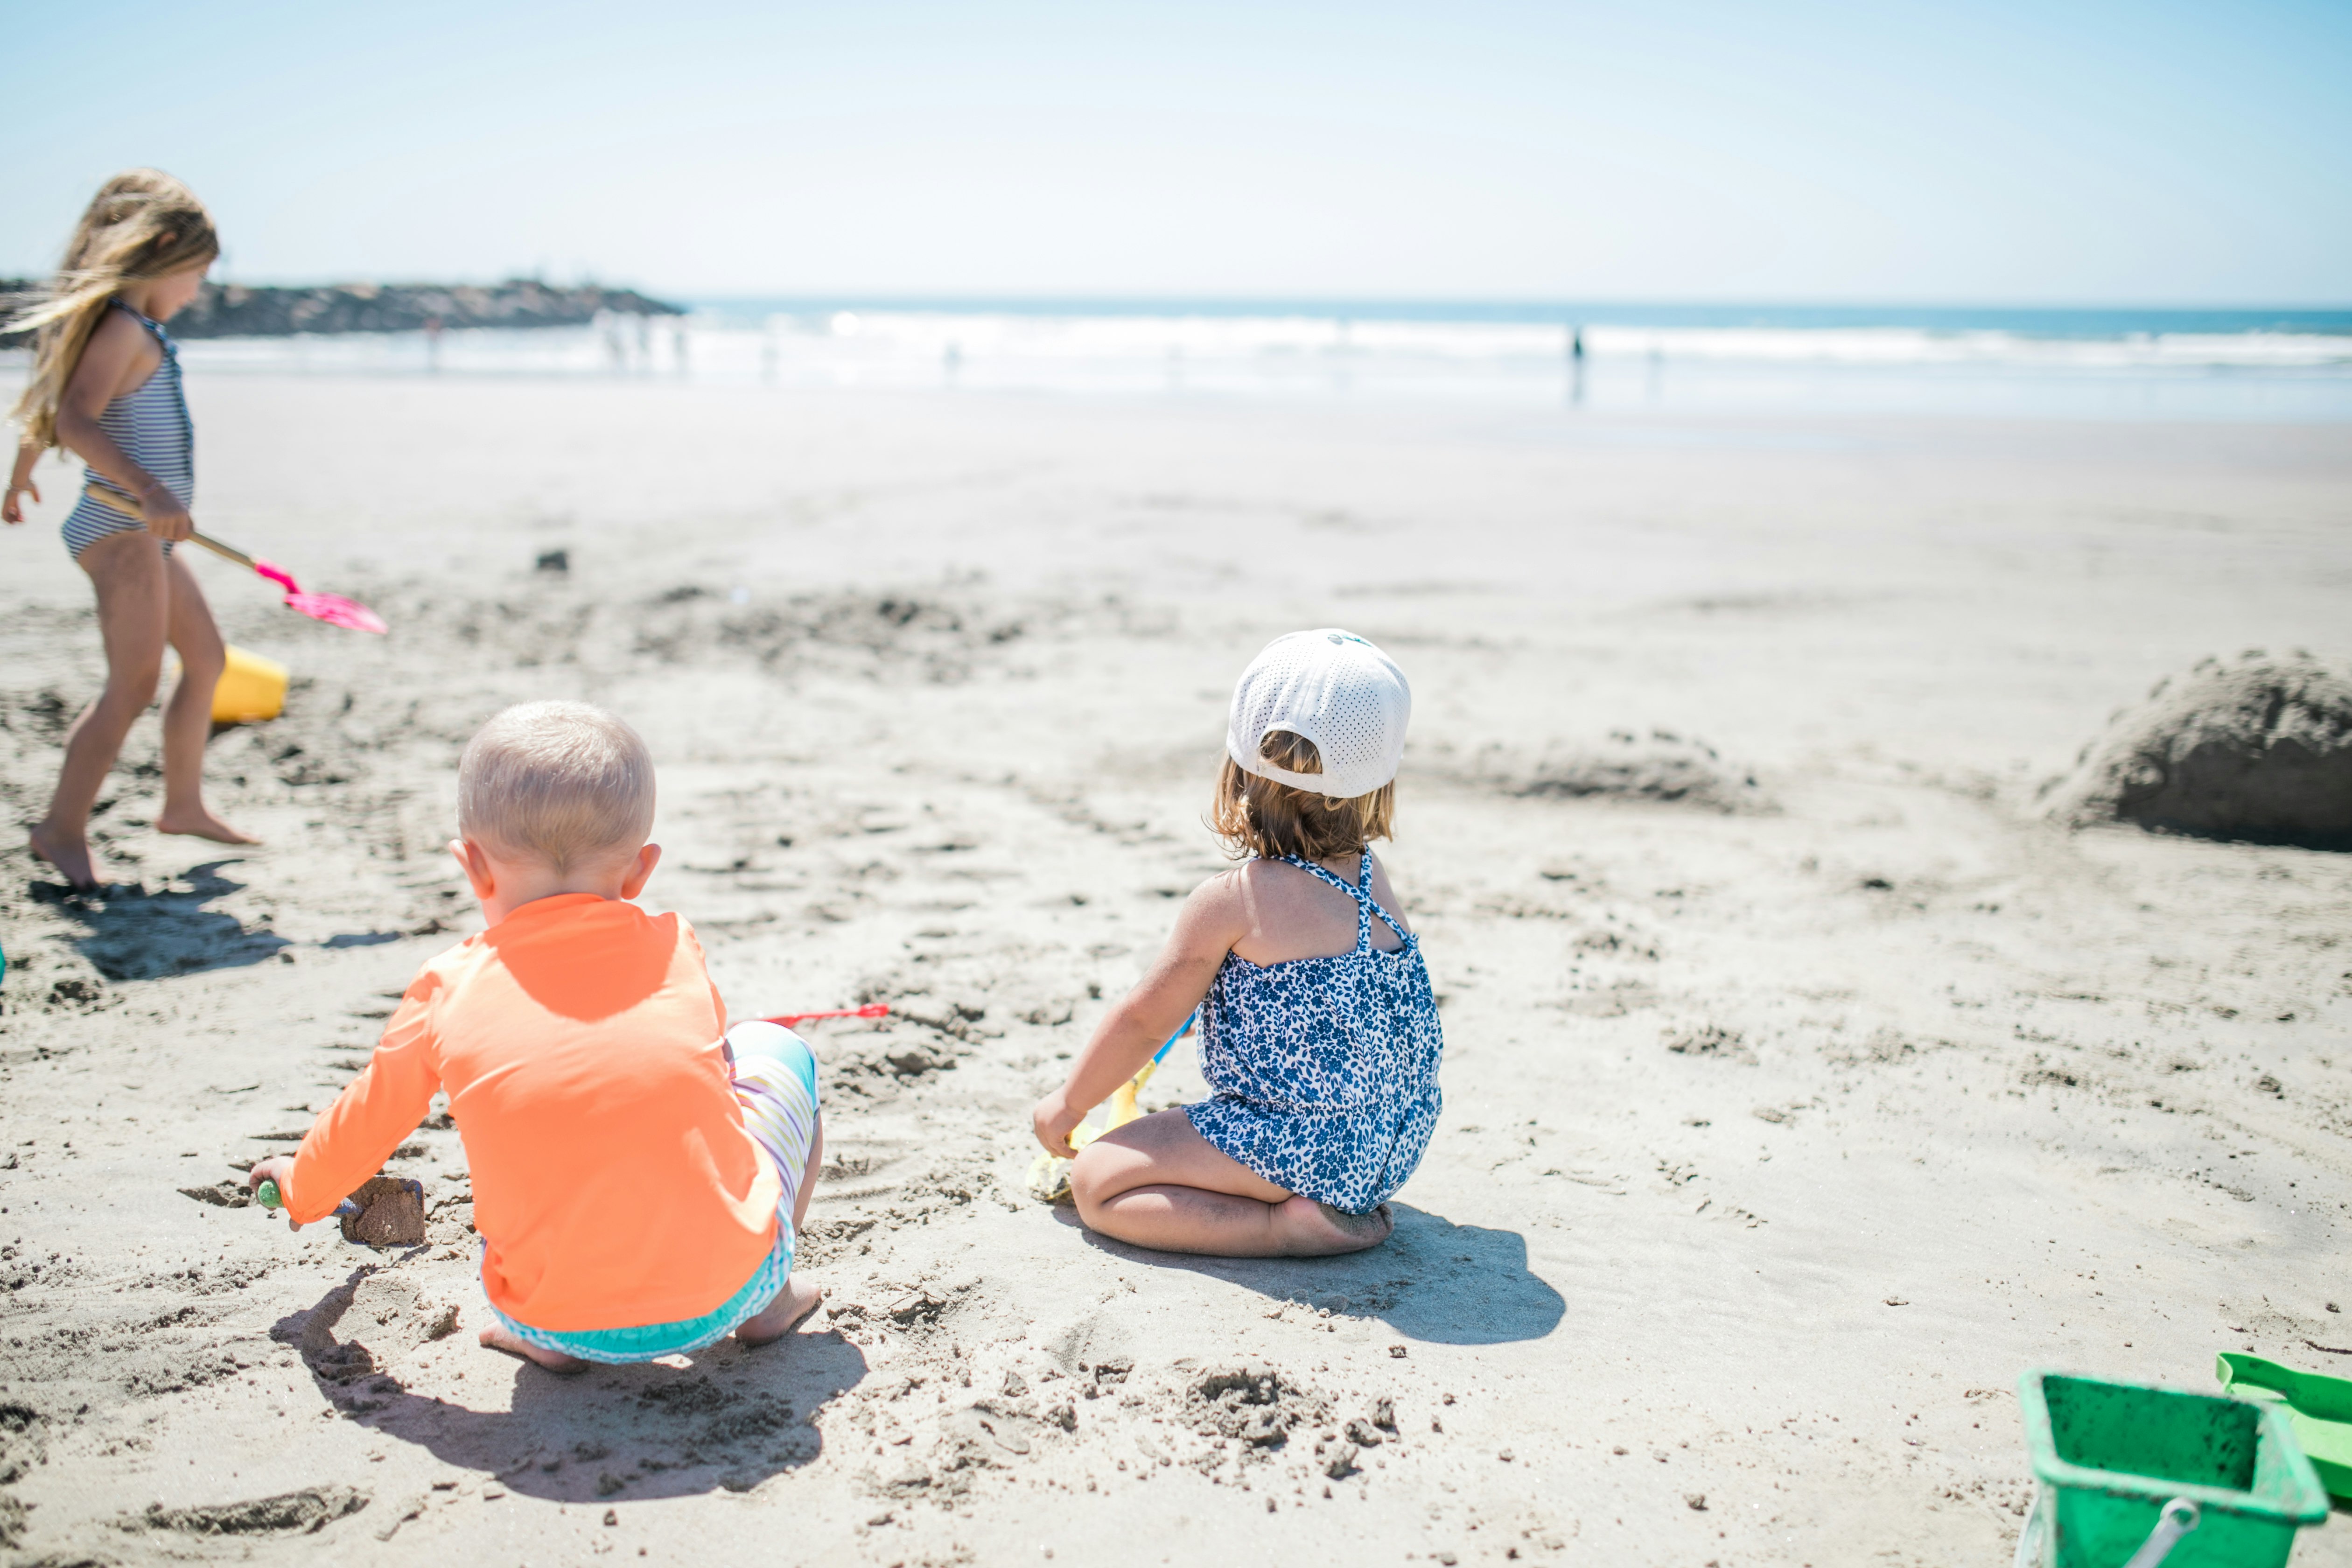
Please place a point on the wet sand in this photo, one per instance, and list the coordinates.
(1803, 1085)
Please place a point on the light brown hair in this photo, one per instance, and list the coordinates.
(559, 783)
(142, 224)
(1257, 816)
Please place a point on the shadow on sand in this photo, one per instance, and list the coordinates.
(729, 1419)
(1431, 1281)
(134, 934)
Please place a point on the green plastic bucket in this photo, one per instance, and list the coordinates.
(2110, 1456)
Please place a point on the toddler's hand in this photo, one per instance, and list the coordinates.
(1053, 1121)
(276, 1168)
(12, 509)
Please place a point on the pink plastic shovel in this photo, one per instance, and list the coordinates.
(332, 608)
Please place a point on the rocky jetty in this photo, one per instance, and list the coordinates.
(235, 311)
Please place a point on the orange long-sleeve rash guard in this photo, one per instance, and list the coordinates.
(579, 1040)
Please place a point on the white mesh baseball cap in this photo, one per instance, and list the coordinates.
(1336, 690)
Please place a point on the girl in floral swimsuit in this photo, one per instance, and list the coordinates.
(1318, 1032)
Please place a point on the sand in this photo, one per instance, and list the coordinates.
(1805, 1083)
(2257, 749)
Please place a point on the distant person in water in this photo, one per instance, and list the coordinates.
(1318, 1032)
(106, 386)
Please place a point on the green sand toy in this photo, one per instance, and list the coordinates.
(266, 1196)
(2133, 1476)
(2319, 1408)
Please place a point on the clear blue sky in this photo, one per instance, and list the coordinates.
(2112, 152)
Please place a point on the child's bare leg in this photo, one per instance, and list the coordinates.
(496, 1338)
(1157, 1182)
(798, 1299)
(188, 717)
(809, 1170)
(133, 616)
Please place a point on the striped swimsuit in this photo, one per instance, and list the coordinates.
(149, 422)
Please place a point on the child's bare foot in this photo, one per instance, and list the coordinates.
(796, 1300)
(70, 857)
(1305, 1228)
(498, 1339)
(201, 824)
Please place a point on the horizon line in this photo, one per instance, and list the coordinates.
(1295, 302)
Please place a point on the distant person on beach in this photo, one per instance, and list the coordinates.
(640, 1170)
(1319, 1033)
(106, 386)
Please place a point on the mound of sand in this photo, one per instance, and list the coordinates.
(1661, 767)
(2259, 750)
(391, 1213)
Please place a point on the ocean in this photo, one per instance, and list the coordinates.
(2271, 365)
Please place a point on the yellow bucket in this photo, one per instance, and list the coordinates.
(251, 689)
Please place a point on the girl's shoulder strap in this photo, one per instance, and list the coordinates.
(154, 328)
(1364, 899)
(1312, 869)
(1366, 906)
(1369, 906)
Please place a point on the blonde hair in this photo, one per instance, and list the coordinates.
(142, 224)
(1257, 816)
(559, 783)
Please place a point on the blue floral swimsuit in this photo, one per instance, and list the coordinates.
(1325, 1068)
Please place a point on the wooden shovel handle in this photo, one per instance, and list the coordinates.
(226, 552)
(129, 508)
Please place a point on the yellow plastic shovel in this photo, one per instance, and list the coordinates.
(1049, 1174)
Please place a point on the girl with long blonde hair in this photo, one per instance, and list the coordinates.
(106, 386)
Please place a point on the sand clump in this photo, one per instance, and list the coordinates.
(2258, 749)
(392, 1213)
(1660, 768)
(303, 1513)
